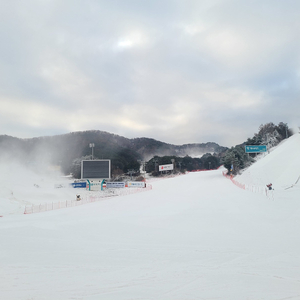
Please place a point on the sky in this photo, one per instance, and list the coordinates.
(189, 71)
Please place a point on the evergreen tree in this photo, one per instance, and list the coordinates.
(236, 159)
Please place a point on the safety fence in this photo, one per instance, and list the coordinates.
(256, 189)
(88, 198)
(252, 188)
(240, 185)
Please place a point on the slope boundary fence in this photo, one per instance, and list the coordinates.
(251, 188)
(238, 184)
(94, 197)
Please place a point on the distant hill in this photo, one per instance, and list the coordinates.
(148, 148)
(63, 149)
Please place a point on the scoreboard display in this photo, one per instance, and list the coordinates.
(95, 169)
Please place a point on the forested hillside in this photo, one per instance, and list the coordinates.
(68, 150)
(268, 134)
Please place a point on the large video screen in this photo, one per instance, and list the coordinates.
(92, 169)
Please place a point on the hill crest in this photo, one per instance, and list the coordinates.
(63, 149)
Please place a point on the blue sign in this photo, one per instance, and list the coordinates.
(79, 185)
(256, 149)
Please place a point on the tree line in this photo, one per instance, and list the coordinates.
(183, 164)
(268, 134)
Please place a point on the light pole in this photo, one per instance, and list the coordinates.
(173, 161)
(155, 163)
(92, 145)
(130, 173)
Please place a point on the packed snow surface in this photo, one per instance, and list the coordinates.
(281, 166)
(195, 236)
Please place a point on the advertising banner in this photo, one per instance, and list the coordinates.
(136, 184)
(166, 167)
(77, 185)
(115, 185)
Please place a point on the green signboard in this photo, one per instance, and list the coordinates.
(255, 148)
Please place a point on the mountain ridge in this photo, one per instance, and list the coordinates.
(64, 148)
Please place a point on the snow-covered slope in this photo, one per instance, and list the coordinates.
(20, 186)
(196, 236)
(281, 166)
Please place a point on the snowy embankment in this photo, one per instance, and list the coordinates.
(196, 236)
(21, 186)
(24, 190)
(281, 167)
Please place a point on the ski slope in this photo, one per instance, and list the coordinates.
(195, 236)
(281, 167)
(22, 186)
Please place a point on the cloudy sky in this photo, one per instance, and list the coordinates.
(180, 71)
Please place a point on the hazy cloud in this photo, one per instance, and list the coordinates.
(178, 71)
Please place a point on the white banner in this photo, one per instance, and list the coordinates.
(115, 185)
(136, 184)
(166, 167)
